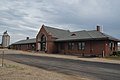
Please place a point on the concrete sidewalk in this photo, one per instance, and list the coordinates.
(92, 59)
(95, 59)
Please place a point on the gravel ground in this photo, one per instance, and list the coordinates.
(16, 71)
(93, 59)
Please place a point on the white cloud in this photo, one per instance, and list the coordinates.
(26, 17)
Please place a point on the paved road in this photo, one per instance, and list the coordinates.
(95, 70)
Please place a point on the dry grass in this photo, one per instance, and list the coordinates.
(113, 57)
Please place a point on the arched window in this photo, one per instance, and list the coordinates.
(43, 38)
(43, 43)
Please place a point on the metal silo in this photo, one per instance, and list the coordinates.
(5, 40)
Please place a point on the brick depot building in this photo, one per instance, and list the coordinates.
(53, 40)
(26, 45)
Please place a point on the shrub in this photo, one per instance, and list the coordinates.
(116, 53)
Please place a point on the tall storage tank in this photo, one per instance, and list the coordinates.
(5, 40)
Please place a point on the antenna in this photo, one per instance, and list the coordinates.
(102, 28)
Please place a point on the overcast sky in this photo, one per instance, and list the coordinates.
(23, 18)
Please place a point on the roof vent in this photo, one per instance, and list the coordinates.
(73, 34)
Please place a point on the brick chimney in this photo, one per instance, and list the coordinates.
(98, 28)
(27, 38)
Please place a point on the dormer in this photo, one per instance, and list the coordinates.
(73, 34)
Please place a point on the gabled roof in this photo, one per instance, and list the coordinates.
(57, 33)
(65, 35)
(25, 41)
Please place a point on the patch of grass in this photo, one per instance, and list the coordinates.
(113, 57)
(116, 53)
(13, 66)
(10, 66)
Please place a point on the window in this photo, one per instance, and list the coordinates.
(71, 45)
(43, 43)
(73, 34)
(81, 45)
(43, 38)
(62, 46)
(112, 45)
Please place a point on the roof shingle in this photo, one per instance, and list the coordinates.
(26, 41)
(64, 35)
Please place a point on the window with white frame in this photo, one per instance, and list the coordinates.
(112, 45)
(70, 45)
(81, 45)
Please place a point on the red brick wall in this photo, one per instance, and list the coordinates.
(40, 33)
(50, 45)
(24, 47)
(91, 47)
(107, 48)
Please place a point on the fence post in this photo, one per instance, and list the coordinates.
(2, 58)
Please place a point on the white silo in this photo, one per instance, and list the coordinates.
(5, 40)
